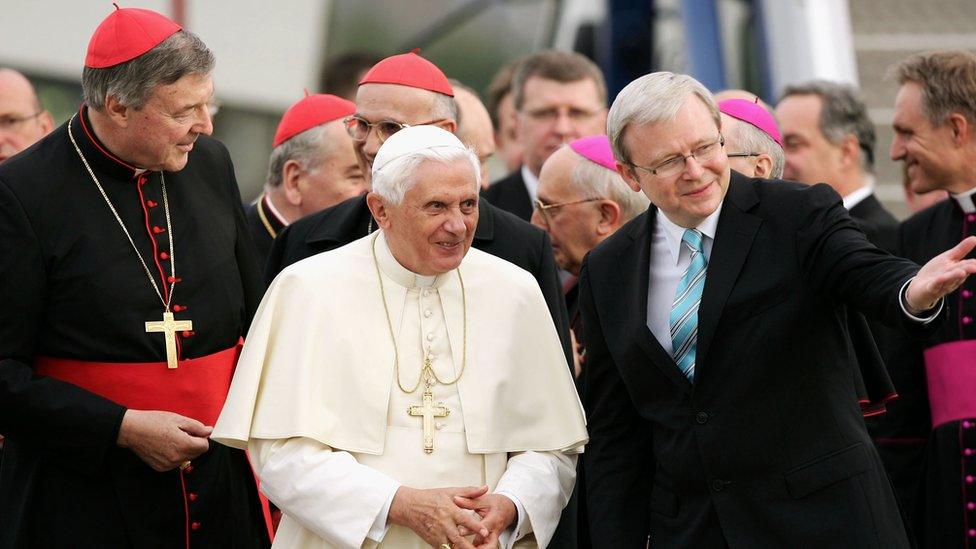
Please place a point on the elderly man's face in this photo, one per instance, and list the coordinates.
(572, 220)
(692, 194)
(22, 122)
(554, 113)
(432, 229)
(810, 157)
(475, 129)
(392, 103)
(338, 177)
(928, 151)
(161, 134)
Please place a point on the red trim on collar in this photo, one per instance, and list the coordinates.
(91, 137)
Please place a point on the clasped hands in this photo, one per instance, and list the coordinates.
(447, 515)
(940, 277)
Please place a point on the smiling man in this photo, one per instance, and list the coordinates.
(410, 415)
(131, 280)
(719, 393)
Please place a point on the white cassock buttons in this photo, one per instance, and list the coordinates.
(427, 313)
(430, 337)
(426, 293)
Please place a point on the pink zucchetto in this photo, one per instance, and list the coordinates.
(596, 149)
(754, 114)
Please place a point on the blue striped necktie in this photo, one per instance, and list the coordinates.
(684, 310)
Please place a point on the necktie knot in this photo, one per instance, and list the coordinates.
(693, 239)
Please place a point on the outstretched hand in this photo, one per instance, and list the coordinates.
(940, 277)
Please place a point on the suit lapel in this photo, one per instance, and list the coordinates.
(733, 238)
(634, 277)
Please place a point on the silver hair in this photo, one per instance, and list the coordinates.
(133, 82)
(743, 137)
(654, 97)
(309, 148)
(444, 106)
(842, 113)
(393, 180)
(594, 181)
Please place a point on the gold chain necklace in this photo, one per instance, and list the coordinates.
(428, 369)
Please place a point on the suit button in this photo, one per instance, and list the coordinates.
(701, 418)
(719, 485)
(195, 526)
(192, 496)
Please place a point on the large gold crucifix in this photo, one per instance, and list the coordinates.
(429, 411)
(168, 325)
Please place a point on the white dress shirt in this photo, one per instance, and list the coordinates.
(531, 183)
(965, 200)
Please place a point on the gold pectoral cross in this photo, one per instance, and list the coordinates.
(428, 411)
(168, 325)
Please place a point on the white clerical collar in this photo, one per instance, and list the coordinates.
(531, 183)
(854, 198)
(965, 200)
(673, 232)
(400, 274)
(274, 211)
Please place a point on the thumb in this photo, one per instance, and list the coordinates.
(194, 428)
(472, 492)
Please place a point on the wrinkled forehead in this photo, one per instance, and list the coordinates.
(394, 102)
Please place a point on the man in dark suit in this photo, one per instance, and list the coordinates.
(829, 138)
(559, 96)
(733, 423)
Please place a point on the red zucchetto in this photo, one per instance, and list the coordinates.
(409, 69)
(126, 34)
(309, 112)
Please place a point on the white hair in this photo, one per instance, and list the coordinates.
(594, 181)
(309, 148)
(654, 97)
(743, 137)
(393, 180)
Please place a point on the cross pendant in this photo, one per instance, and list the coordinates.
(428, 411)
(168, 326)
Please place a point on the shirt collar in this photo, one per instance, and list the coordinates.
(400, 274)
(673, 232)
(965, 200)
(531, 183)
(266, 199)
(856, 197)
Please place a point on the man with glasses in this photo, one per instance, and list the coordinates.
(559, 96)
(408, 90)
(719, 394)
(22, 120)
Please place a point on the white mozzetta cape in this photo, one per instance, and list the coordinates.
(318, 361)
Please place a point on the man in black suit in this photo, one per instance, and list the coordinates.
(559, 96)
(829, 138)
(741, 429)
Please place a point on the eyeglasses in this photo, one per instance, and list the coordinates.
(551, 114)
(741, 155)
(544, 209)
(10, 123)
(358, 128)
(676, 164)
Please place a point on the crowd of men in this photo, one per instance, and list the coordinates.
(681, 320)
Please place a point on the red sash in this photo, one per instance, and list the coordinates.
(951, 372)
(197, 388)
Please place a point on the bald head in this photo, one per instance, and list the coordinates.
(22, 120)
(725, 95)
(474, 126)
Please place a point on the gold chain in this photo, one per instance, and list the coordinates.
(169, 225)
(264, 218)
(396, 353)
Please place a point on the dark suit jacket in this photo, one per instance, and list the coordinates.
(510, 194)
(262, 237)
(877, 223)
(498, 233)
(767, 448)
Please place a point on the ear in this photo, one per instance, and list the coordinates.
(960, 128)
(377, 207)
(850, 150)
(117, 112)
(629, 175)
(47, 122)
(610, 218)
(764, 166)
(291, 179)
(449, 125)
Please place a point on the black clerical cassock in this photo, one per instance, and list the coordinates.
(76, 351)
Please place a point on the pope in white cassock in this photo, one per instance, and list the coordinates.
(406, 390)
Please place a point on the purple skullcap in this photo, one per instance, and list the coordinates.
(750, 112)
(596, 149)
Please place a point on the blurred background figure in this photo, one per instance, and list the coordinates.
(752, 140)
(313, 167)
(474, 126)
(501, 108)
(559, 96)
(22, 119)
(341, 74)
(829, 138)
